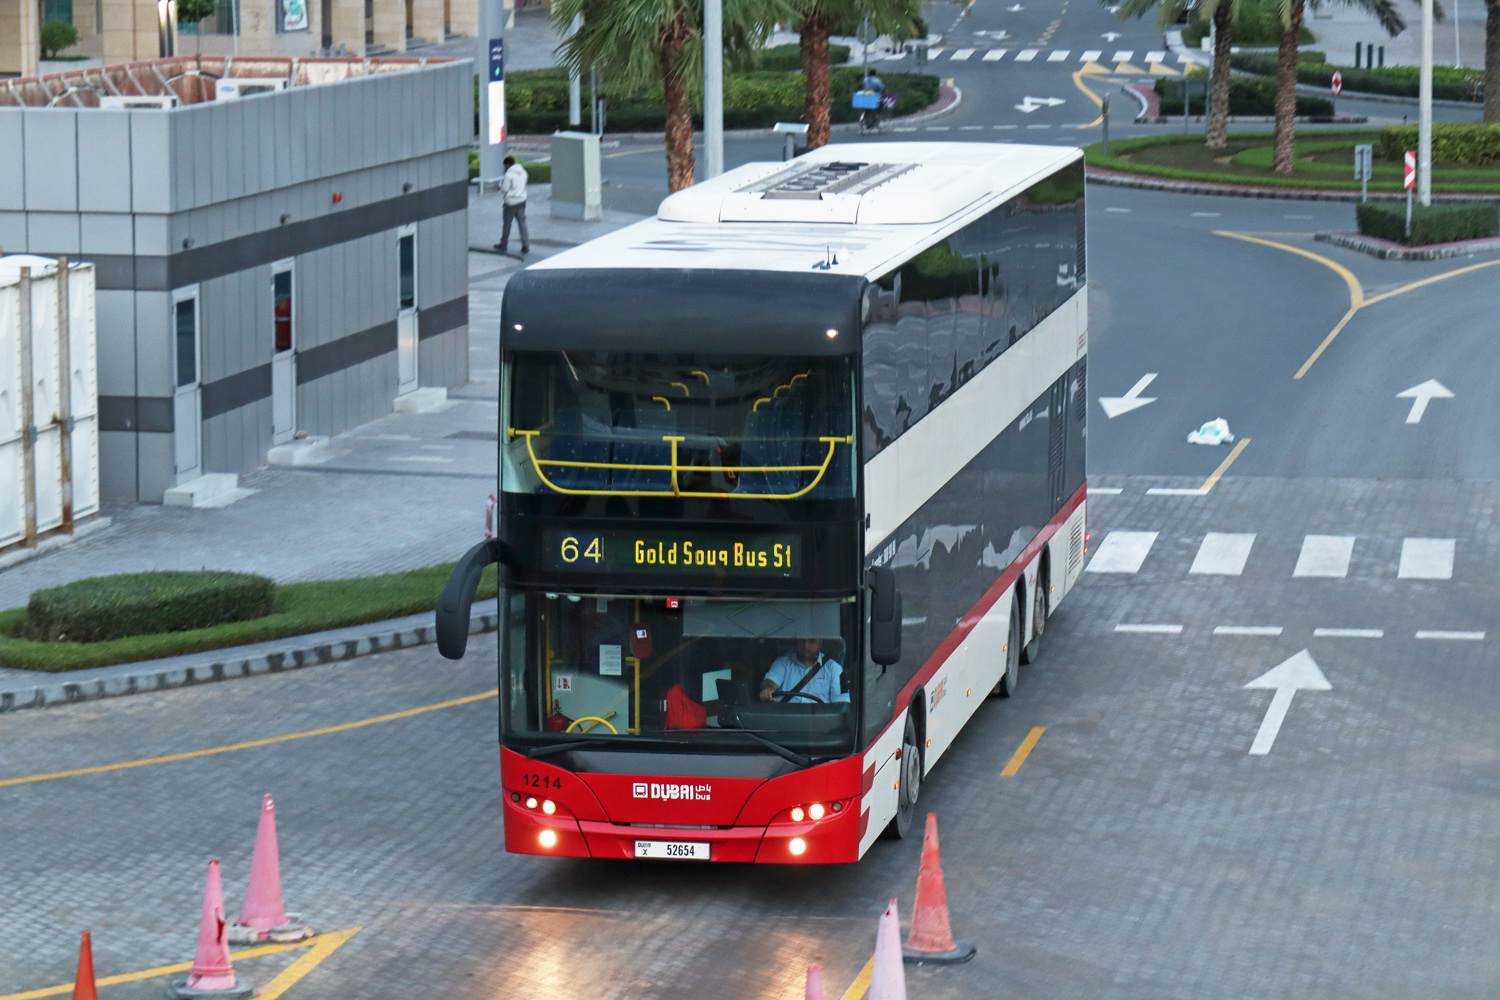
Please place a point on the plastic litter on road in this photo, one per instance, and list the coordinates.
(1216, 431)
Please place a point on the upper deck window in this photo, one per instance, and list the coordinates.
(595, 422)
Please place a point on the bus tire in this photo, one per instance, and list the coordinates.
(1008, 680)
(910, 787)
(1032, 651)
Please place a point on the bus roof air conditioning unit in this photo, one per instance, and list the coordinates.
(138, 101)
(233, 88)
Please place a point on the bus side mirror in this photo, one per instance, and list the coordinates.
(458, 595)
(885, 616)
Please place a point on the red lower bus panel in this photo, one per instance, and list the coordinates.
(524, 828)
(613, 840)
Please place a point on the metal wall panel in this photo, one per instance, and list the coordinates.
(52, 233)
(152, 235)
(280, 147)
(12, 160)
(299, 129)
(229, 147)
(51, 158)
(102, 233)
(201, 153)
(103, 163)
(115, 316)
(212, 332)
(151, 166)
(156, 467)
(153, 339)
(13, 232)
(117, 458)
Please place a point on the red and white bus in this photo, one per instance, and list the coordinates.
(791, 476)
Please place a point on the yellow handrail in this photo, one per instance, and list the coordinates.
(674, 468)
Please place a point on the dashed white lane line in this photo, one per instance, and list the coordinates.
(1057, 55)
(1155, 56)
(1122, 552)
(995, 55)
(997, 127)
(1222, 554)
(1107, 491)
(1325, 556)
(1206, 215)
(1092, 55)
(1150, 629)
(970, 128)
(1348, 633)
(1122, 211)
(1247, 630)
(1038, 126)
(937, 128)
(1026, 55)
(960, 55)
(1123, 56)
(421, 458)
(1429, 633)
(1426, 559)
(1175, 491)
(909, 128)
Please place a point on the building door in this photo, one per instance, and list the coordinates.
(283, 355)
(406, 315)
(187, 398)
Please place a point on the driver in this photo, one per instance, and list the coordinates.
(789, 670)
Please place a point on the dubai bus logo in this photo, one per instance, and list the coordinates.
(672, 792)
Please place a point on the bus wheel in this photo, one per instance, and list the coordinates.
(1033, 649)
(911, 783)
(1012, 675)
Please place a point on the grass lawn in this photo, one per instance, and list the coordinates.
(1322, 160)
(301, 608)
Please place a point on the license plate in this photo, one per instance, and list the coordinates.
(673, 850)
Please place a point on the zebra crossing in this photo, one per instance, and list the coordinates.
(1123, 58)
(1320, 556)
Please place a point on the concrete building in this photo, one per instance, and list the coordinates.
(268, 267)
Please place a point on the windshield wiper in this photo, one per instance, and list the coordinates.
(543, 751)
(776, 748)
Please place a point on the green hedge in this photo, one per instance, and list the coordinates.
(1256, 22)
(1447, 83)
(538, 104)
(788, 58)
(1246, 97)
(1462, 144)
(114, 607)
(1441, 223)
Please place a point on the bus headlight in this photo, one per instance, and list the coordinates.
(549, 807)
(548, 838)
(531, 803)
(797, 846)
(815, 810)
(797, 814)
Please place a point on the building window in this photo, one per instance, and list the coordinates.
(408, 252)
(187, 342)
(281, 292)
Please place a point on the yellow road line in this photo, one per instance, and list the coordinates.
(1356, 290)
(1098, 101)
(856, 989)
(1427, 281)
(1316, 354)
(1208, 483)
(326, 945)
(250, 744)
(167, 970)
(1016, 759)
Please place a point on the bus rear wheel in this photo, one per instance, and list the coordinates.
(1012, 676)
(1033, 649)
(910, 771)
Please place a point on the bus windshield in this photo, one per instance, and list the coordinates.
(681, 670)
(594, 422)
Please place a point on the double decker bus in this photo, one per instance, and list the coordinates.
(791, 476)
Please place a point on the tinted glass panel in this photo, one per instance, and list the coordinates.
(282, 309)
(187, 342)
(408, 278)
(939, 319)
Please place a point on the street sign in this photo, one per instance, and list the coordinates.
(496, 85)
(1338, 83)
(1411, 169)
(1364, 161)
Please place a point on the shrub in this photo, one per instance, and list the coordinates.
(788, 58)
(1455, 143)
(56, 36)
(1401, 81)
(112, 607)
(1440, 223)
(536, 173)
(1256, 22)
(1246, 97)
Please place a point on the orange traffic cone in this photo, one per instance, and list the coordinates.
(931, 939)
(814, 983)
(263, 915)
(887, 977)
(83, 985)
(212, 975)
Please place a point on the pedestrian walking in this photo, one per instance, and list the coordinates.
(513, 195)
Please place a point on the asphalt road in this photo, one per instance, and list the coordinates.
(1140, 852)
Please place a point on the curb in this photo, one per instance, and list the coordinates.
(1114, 178)
(1387, 250)
(311, 650)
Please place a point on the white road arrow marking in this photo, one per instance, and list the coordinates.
(1110, 36)
(1116, 405)
(1420, 395)
(1299, 673)
(1030, 104)
(1015, 8)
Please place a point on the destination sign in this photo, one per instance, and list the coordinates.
(690, 553)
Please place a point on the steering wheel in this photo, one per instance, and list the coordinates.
(591, 718)
(789, 695)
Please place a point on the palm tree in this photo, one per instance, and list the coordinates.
(1292, 12)
(637, 42)
(1222, 12)
(816, 21)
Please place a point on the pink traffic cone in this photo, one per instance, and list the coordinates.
(263, 911)
(814, 983)
(888, 978)
(212, 975)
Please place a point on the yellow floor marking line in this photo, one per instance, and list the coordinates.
(856, 990)
(167, 970)
(1209, 483)
(251, 744)
(1016, 759)
(326, 945)
(1428, 281)
(1098, 101)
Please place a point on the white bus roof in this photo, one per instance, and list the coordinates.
(854, 208)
